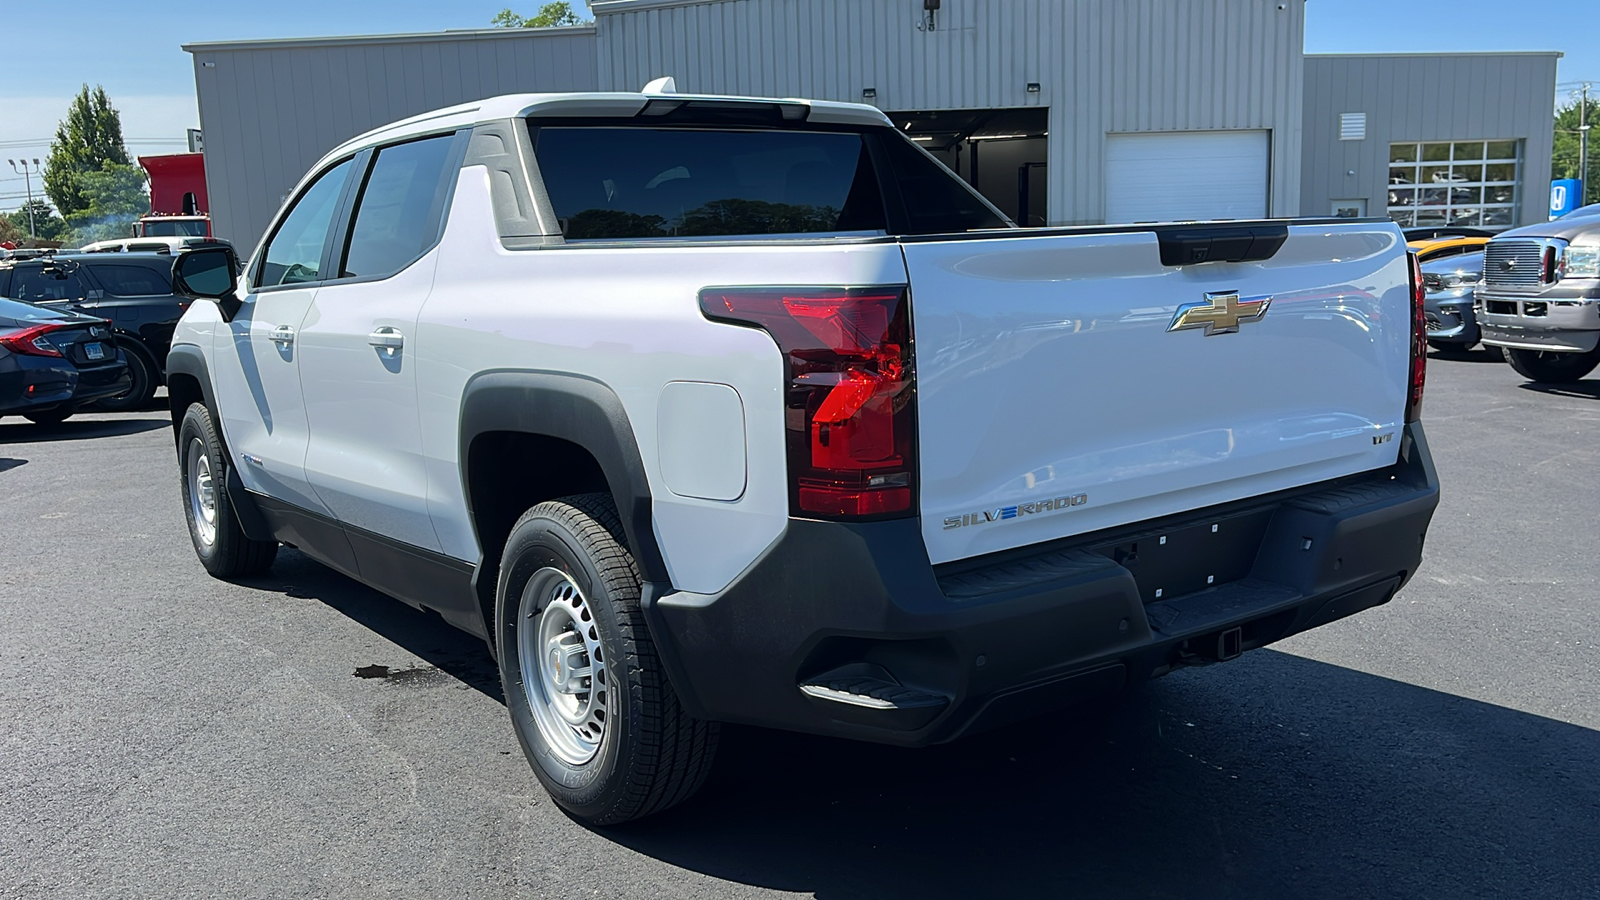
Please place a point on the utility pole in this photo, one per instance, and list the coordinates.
(1583, 145)
(27, 179)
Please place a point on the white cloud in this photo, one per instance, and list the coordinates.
(151, 124)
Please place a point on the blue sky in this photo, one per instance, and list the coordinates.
(134, 52)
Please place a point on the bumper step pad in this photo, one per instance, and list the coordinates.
(863, 693)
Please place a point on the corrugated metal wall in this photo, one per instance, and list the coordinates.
(1104, 66)
(1435, 97)
(270, 109)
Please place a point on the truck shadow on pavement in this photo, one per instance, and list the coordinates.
(1478, 354)
(1272, 776)
(21, 431)
(445, 647)
(1581, 390)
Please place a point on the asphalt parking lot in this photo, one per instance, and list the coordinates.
(163, 734)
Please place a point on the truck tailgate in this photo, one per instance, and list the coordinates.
(1055, 396)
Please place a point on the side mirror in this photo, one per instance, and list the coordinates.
(209, 273)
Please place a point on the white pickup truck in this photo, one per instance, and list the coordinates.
(708, 409)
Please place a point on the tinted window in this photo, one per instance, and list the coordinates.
(936, 201)
(37, 284)
(294, 254)
(13, 313)
(132, 281)
(397, 213)
(636, 182)
(174, 228)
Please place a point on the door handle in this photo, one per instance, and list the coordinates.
(390, 340)
(283, 334)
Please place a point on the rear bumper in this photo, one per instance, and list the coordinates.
(1558, 319)
(38, 383)
(848, 630)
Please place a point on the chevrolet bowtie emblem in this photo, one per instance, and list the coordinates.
(1221, 313)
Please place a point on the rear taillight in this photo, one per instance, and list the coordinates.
(32, 341)
(850, 394)
(1419, 343)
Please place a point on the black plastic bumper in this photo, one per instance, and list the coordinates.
(848, 630)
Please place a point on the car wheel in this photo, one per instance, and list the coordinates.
(219, 541)
(49, 416)
(1555, 368)
(590, 701)
(143, 388)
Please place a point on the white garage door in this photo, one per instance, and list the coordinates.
(1181, 176)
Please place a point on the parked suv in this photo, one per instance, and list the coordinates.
(1540, 298)
(706, 409)
(133, 291)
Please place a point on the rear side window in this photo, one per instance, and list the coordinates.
(936, 201)
(132, 281)
(638, 182)
(398, 210)
(36, 284)
(294, 255)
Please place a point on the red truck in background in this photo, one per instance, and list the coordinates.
(178, 201)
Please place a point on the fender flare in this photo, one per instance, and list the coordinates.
(188, 359)
(578, 410)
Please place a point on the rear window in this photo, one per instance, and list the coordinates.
(638, 182)
(132, 281)
(13, 313)
(42, 284)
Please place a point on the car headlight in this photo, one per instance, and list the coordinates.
(1461, 279)
(1583, 262)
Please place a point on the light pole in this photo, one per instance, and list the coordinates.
(1583, 145)
(27, 179)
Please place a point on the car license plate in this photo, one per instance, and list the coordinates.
(94, 351)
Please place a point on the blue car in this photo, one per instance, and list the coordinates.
(1449, 284)
(53, 361)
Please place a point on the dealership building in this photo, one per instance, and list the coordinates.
(1061, 112)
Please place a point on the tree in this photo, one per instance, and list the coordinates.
(549, 15)
(1564, 161)
(88, 138)
(10, 233)
(46, 223)
(115, 196)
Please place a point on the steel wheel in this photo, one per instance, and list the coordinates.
(563, 666)
(202, 493)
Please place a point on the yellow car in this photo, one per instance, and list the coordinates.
(1441, 247)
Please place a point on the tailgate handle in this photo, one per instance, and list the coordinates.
(1187, 245)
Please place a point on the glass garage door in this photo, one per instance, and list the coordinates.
(1454, 183)
(1186, 175)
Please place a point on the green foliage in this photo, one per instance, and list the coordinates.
(116, 197)
(549, 15)
(1564, 161)
(45, 222)
(10, 233)
(88, 138)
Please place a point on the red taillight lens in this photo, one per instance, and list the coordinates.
(1419, 343)
(32, 340)
(850, 396)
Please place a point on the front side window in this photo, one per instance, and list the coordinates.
(42, 284)
(633, 182)
(397, 215)
(132, 281)
(294, 255)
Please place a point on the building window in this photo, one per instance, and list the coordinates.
(1455, 183)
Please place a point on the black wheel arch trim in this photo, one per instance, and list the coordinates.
(581, 411)
(187, 359)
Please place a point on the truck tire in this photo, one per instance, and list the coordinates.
(144, 375)
(1553, 368)
(591, 704)
(218, 539)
